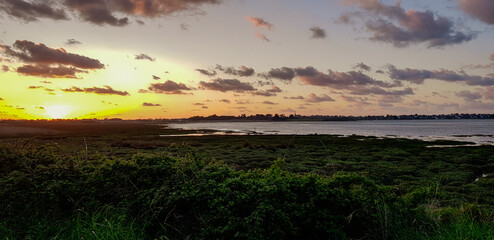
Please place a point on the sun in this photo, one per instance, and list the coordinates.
(58, 111)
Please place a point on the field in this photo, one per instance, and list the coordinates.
(132, 180)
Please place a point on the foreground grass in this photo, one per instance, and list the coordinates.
(45, 195)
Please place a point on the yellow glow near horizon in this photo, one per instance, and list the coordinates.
(58, 111)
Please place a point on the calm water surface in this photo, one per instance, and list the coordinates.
(477, 131)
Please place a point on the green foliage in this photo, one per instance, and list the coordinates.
(337, 190)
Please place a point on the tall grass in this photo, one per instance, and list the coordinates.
(100, 225)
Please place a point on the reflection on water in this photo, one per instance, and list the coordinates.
(477, 131)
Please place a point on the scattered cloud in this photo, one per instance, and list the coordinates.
(295, 97)
(317, 99)
(242, 71)
(168, 87)
(362, 66)
(45, 71)
(469, 96)
(5, 68)
(225, 101)
(105, 90)
(318, 33)
(242, 102)
(340, 80)
(260, 23)
(395, 25)
(211, 73)
(31, 11)
(146, 104)
(96, 12)
(269, 92)
(418, 76)
(99, 12)
(262, 37)
(143, 56)
(39, 53)
(156, 77)
(72, 42)
(35, 87)
(284, 74)
(269, 103)
(224, 85)
(184, 26)
(481, 9)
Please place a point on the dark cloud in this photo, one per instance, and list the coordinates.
(45, 71)
(198, 104)
(481, 9)
(243, 71)
(340, 80)
(269, 103)
(268, 93)
(469, 96)
(362, 66)
(143, 56)
(96, 12)
(211, 73)
(31, 52)
(318, 32)
(316, 99)
(35, 87)
(140, 22)
(225, 101)
(99, 12)
(31, 11)
(418, 76)
(146, 104)
(224, 85)
(380, 91)
(105, 90)
(5, 68)
(393, 24)
(260, 23)
(156, 77)
(72, 42)
(285, 74)
(168, 87)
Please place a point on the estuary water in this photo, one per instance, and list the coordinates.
(479, 131)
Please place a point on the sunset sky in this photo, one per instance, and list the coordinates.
(135, 59)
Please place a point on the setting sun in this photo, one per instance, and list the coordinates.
(58, 111)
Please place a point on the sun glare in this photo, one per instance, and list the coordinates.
(58, 111)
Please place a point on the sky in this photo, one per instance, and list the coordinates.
(142, 59)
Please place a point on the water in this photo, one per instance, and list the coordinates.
(477, 131)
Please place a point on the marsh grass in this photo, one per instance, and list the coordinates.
(131, 186)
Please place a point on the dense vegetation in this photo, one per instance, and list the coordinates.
(137, 186)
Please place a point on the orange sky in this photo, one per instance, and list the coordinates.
(174, 59)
